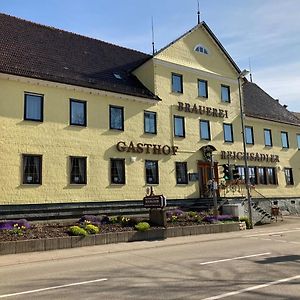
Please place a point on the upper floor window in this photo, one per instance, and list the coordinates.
(150, 122)
(116, 117)
(33, 107)
(204, 130)
(181, 173)
(32, 169)
(268, 137)
(117, 171)
(78, 170)
(228, 133)
(177, 84)
(202, 88)
(249, 135)
(201, 49)
(298, 141)
(288, 172)
(284, 139)
(179, 129)
(225, 93)
(151, 167)
(77, 112)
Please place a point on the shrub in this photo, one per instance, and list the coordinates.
(142, 226)
(219, 218)
(77, 230)
(95, 220)
(113, 220)
(246, 220)
(92, 229)
(17, 229)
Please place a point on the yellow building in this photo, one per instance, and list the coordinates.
(87, 121)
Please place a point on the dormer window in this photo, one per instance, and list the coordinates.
(201, 49)
(118, 76)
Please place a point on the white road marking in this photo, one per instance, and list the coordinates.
(52, 288)
(252, 288)
(234, 258)
(272, 233)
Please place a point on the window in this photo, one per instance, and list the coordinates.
(181, 173)
(284, 139)
(78, 170)
(179, 129)
(33, 107)
(77, 112)
(228, 133)
(117, 171)
(151, 167)
(204, 130)
(261, 175)
(177, 85)
(271, 176)
(150, 122)
(225, 93)
(241, 172)
(249, 135)
(268, 137)
(32, 169)
(298, 141)
(288, 172)
(202, 88)
(201, 49)
(116, 117)
(252, 175)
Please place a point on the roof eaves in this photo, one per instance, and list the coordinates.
(271, 119)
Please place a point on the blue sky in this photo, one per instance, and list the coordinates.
(267, 32)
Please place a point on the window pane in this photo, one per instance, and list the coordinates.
(118, 171)
(225, 93)
(249, 135)
(270, 175)
(32, 168)
(116, 118)
(228, 136)
(181, 173)
(252, 175)
(150, 122)
(33, 107)
(289, 176)
(202, 88)
(204, 130)
(261, 175)
(78, 113)
(241, 172)
(298, 140)
(177, 83)
(284, 140)
(179, 126)
(268, 137)
(151, 167)
(78, 170)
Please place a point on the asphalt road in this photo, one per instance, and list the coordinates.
(263, 263)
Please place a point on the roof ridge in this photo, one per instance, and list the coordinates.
(73, 33)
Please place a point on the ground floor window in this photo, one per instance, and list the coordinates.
(117, 171)
(78, 170)
(181, 173)
(151, 167)
(288, 172)
(32, 169)
(259, 175)
(271, 175)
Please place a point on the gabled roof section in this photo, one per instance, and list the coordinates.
(214, 38)
(259, 104)
(37, 51)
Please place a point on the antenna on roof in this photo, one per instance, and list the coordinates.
(250, 69)
(152, 26)
(198, 13)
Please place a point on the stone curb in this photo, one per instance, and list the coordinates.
(110, 238)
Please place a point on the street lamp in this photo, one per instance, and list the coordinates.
(247, 180)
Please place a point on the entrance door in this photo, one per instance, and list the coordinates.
(205, 176)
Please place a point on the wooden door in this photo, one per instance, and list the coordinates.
(205, 178)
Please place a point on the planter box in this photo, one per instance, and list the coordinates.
(110, 238)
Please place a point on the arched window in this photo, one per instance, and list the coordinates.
(201, 49)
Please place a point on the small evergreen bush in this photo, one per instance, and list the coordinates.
(142, 226)
(92, 229)
(246, 220)
(77, 231)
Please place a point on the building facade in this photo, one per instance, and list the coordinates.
(84, 120)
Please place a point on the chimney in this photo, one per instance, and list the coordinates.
(285, 106)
